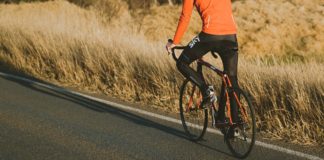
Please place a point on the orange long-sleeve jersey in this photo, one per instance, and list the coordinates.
(216, 15)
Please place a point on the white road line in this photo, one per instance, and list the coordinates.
(262, 144)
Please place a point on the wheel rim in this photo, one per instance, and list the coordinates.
(243, 141)
(194, 119)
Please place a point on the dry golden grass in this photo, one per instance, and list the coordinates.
(265, 26)
(65, 44)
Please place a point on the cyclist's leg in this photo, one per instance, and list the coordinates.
(229, 56)
(195, 50)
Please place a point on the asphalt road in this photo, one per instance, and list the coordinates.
(39, 123)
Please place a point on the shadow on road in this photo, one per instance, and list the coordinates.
(102, 107)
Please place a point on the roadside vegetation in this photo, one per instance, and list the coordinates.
(116, 47)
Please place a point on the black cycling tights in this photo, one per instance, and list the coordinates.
(226, 46)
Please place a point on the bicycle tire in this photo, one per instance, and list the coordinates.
(236, 144)
(194, 120)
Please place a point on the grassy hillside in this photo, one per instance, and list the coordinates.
(265, 26)
(122, 55)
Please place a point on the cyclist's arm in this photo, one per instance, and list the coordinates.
(184, 20)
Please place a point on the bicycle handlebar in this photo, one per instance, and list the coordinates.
(174, 48)
(183, 47)
(214, 54)
(173, 53)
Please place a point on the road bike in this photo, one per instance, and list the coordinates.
(194, 115)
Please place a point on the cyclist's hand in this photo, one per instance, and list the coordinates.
(169, 47)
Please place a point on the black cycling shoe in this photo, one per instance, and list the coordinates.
(220, 122)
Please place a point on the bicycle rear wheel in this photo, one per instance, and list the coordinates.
(194, 119)
(245, 130)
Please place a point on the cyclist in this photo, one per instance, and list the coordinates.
(218, 34)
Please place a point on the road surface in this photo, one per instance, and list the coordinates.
(37, 123)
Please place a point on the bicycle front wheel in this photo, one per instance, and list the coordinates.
(194, 119)
(242, 143)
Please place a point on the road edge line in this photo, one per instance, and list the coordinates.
(169, 119)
